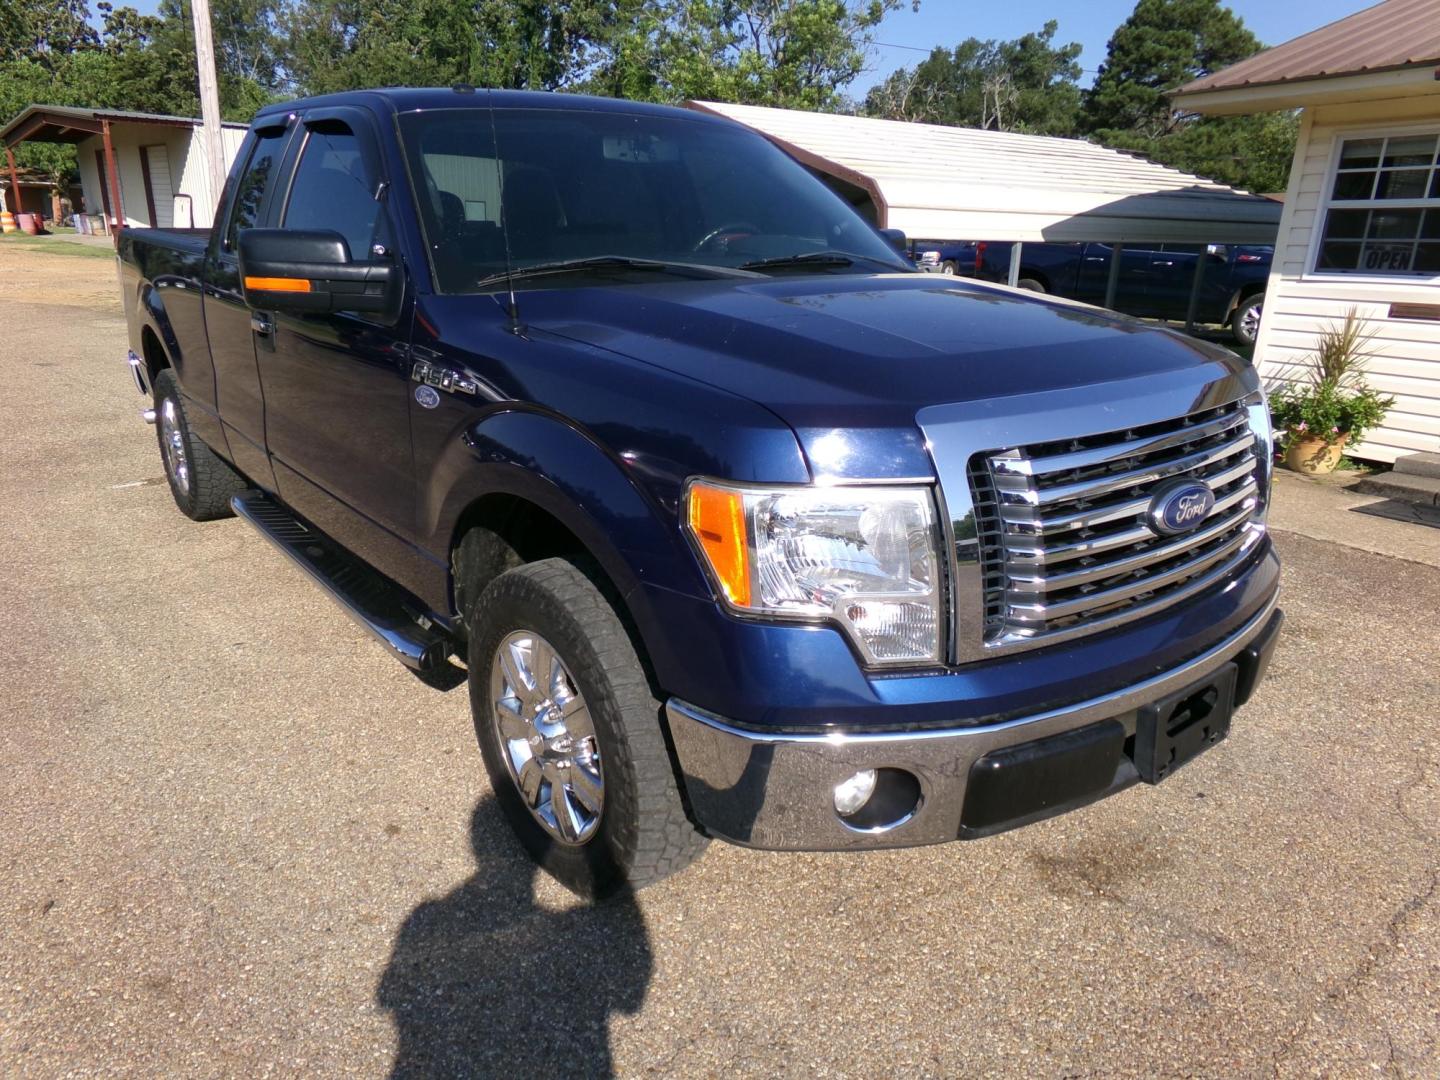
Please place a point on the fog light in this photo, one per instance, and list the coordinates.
(852, 794)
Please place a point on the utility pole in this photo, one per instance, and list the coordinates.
(209, 100)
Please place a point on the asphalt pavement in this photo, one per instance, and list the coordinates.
(237, 840)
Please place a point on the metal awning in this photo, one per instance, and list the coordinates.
(67, 124)
(948, 183)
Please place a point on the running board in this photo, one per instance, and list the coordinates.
(367, 597)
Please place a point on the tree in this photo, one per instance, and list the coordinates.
(1161, 46)
(513, 44)
(1028, 84)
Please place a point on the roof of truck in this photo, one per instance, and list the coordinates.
(411, 99)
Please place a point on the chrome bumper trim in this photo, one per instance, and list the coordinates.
(774, 790)
(137, 370)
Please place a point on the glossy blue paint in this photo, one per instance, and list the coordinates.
(600, 401)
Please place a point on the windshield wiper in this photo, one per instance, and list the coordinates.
(817, 258)
(615, 262)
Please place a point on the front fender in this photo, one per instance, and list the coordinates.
(546, 461)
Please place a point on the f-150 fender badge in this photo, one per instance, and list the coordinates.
(427, 396)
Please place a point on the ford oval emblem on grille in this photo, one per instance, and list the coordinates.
(1179, 507)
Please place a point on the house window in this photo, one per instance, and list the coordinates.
(1383, 214)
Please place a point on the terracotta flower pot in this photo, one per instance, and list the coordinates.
(1312, 455)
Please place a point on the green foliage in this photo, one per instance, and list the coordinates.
(1160, 47)
(798, 53)
(1251, 152)
(1334, 400)
(1028, 85)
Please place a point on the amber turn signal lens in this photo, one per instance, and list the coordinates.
(717, 519)
(278, 284)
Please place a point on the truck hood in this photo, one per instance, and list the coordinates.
(832, 353)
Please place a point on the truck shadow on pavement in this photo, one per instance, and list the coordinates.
(484, 982)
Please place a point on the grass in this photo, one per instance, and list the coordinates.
(51, 245)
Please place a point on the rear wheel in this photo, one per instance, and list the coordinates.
(1245, 323)
(201, 481)
(949, 268)
(571, 733)
(1030, 285)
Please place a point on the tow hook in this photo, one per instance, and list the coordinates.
(148, 415)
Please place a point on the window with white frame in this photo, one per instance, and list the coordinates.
(1382, 216)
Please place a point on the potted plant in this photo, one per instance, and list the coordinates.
(1332, 405)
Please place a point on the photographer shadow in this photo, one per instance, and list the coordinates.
(484, 982)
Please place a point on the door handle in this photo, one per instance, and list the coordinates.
(1164, 262)
(261, 324)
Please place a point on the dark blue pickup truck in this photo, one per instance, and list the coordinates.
(1155, 280)
(741, 527)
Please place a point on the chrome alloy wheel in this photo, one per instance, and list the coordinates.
(1250, 323)
(547, 737)
(172, 440)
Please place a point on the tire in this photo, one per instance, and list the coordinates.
(949, 268)
(636, 831)
(1245, 323)
(201, 481)
(1030, 285)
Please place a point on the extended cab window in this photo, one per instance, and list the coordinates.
(563, 184)
(254, 182)
(334, 189)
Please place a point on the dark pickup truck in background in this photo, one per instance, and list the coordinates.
(742, 528)
(1155, 279)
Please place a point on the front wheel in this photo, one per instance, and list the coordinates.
(571, 733)
(1245, 323)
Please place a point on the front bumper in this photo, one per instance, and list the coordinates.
(775, 790)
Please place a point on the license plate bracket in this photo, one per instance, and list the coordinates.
(1178, 727)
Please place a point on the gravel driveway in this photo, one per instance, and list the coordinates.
(236, 839)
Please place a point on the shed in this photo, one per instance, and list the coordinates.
(949, 183)
(142, 169)
(1361, 227)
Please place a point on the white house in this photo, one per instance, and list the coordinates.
(1361, 226)
(142, 168)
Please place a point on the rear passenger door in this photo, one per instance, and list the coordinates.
(227, 318)
(337, 384)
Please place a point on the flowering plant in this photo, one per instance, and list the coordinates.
(1334, 403)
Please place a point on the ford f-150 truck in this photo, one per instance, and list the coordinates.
(741, 527)
(1154, 280)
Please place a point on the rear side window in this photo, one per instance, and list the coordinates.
(334, 189)
(254, 182)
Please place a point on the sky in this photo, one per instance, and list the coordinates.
(1090, 22)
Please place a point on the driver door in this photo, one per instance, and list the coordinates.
(336, 384)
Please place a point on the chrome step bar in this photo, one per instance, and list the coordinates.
(362, 593)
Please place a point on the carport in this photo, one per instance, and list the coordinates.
(948, 183)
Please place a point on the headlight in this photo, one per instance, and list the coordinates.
(864, 557)
(1264, 431)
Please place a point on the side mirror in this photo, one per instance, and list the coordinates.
(897, 240)
(301, 271)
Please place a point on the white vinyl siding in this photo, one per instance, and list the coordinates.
(1405, 360)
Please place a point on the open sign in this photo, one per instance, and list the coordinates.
(1389, 256)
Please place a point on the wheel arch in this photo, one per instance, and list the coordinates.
(546, 489)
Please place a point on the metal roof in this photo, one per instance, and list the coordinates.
(67, 123)
(948, 183)
(1394, 34)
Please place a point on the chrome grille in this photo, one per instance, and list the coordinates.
(1065, 543)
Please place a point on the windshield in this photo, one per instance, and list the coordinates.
(581, 184)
